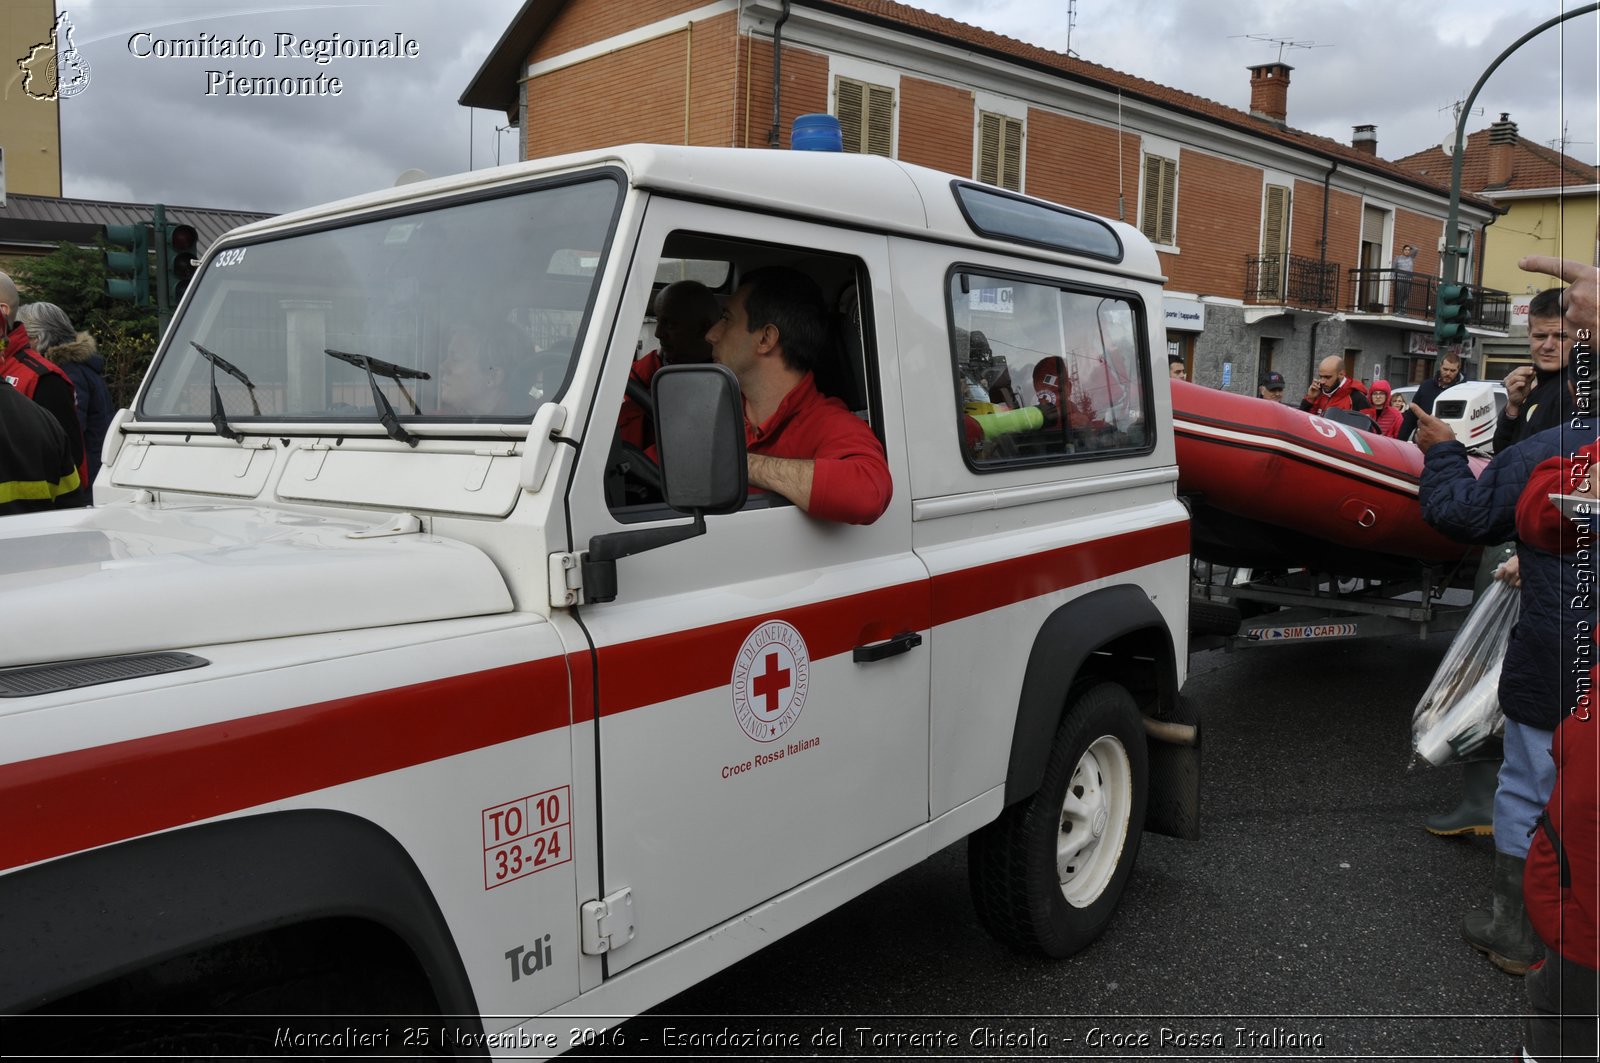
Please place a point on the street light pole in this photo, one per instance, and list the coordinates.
(1452, 248)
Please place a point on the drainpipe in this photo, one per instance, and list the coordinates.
(777, 70)
(1327, 182)
(1322, 268)
(1311, 370)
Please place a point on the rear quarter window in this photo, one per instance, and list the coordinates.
(1045, 373)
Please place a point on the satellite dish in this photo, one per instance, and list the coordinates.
(1448, 144)
(410, 177)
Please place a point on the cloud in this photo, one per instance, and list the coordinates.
(145, 128)
(1397, 64)
(167, 129)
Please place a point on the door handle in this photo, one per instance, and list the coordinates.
(890, 647)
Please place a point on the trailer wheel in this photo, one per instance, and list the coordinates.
(1047, 875)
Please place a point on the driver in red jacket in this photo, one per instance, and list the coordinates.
(803, 445)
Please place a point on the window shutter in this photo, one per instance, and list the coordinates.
(1159, 203)
(989, 148)
(866, 117)
(1169, 201)
(880, 121)
(1150, 205)
(1011, 155)
(1275, 231)
(848, 105)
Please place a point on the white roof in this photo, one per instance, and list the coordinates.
(863, 191)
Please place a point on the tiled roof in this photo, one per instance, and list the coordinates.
(1532, 165)
(895, 15)
(495, 84)
(35, 219)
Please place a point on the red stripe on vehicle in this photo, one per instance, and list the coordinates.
(957, 595)
(71, 801)
(680, 663)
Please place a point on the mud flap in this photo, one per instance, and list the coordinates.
(1174, 805)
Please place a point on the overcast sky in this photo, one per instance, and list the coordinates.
(145, 128)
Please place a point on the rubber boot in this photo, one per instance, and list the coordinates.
(1503, 933)
(1475, 814)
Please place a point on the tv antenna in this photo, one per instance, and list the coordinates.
(1455, 112)
(1281, 42)
(1560, 143)
(1072, 21)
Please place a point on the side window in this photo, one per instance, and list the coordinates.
(699, 273)
(1044, 373)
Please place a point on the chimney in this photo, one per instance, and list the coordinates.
(1269, 92)
(1365, 139)
(1502, 141)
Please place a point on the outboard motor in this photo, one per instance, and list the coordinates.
(1469, 409)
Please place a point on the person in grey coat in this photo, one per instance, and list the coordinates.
(75, 352)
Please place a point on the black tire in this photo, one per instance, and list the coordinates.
(1022, 898)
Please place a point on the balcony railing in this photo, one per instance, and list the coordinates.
(1401, 293)
(1292, 280)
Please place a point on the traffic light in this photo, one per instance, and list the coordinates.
(128, 272)
(182, 250)
(1457, 303)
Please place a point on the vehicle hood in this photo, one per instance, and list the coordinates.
(86, 583)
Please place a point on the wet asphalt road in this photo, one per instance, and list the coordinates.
(1315, 913)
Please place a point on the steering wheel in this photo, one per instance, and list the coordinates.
(632, 477)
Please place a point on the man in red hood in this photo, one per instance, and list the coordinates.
(1332, 390)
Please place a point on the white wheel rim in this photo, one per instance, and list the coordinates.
(1094, 821)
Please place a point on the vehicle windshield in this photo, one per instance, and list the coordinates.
(463, 313)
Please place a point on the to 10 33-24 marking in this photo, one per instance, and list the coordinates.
(527, 835)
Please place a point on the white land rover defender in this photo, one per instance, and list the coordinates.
(359, 691)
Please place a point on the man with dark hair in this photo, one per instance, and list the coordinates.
(1536, 394)
(684, 311)
(1448, 375)
(802, 445)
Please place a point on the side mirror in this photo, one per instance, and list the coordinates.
(699, 419)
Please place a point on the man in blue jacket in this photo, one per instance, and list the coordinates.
(1537, 680)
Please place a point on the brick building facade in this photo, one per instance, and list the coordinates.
(1277, 244)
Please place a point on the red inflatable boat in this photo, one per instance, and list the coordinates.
(1272, 484)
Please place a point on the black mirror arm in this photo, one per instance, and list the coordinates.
(600, 564)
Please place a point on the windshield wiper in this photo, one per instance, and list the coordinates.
(219, 419)
(397, 373)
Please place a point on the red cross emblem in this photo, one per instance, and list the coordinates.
(771, 683)
(771, 674)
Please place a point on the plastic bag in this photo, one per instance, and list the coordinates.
(1462, 705)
